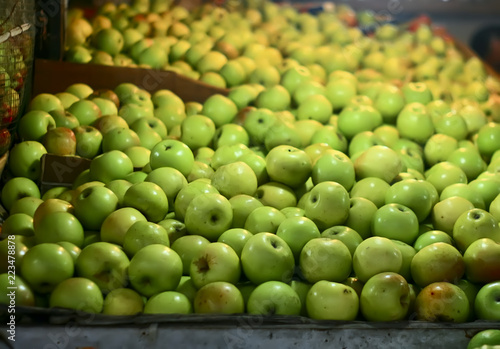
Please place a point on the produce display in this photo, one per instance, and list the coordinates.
(360, 186)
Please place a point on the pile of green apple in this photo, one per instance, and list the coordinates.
(329, 206)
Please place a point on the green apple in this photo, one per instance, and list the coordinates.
(218, 298)
(59, 226)
(242, 206)
(93, 205)
(119, 188)
(235, 179)
(274, 298)
(264, 219)
(143, 233)
(22, 296)
(116, 224)
(430, 237)
(361, 212)
(186, 195)
(481, 261)
(296, 232)
(332, 301)
(88, 141)
(267, 257)
(488, 188)
(155, 268)
(18, 224)
(327, 205)
(444, 174)
(331, 136)
(208, 215)
(325, 259)
(197, 131)
(437, 262)
(46, 265)
(230, 134)
(414, 123)
(438, 148)
(475, 224)
(25, 159)
(383, 250)
(348, 236)
(451, 124)
(86, 111)
(490, 337)
(220, 109)
(354, 119)
(172, 153)
(122, 302)
(34, 125)
(26, 205)
(77, 293)
(464, 191)
(339, 92)
(236, 238)
(442, 301)
(108, 122)
(120, 139)
(168, 302)
(216, 261)
(149, 199)
(45, 102)
(371, 188)
(187, 247)
(486, 304)
(385, 297)
(110, 166)
(333, 165)
(378, 161)
(103, 263)
(275, 98)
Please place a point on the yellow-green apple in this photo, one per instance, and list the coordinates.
(119, 188)
(34, 125)
(230, 134)
(288, 165)
(275, 98)
(488, 189)
(60, 141)
(86, 111)
(197, 131)
(383, 250)
(23, 294)
(150, 131)
(106, 106)
(325, 259)
(333, 165)
(88, 141)
(296, 232)
(242, 206)
(168, 302)
(123, 301)
(446, 212)
(172, 153)
(348, 236)
(469, 160)
(143, 233)
(45, 102)
(473, 225)
(490, 337)
(389, 102)
(332, 301)
(371, 188)
(187, 247)
(282, 132)
(116, 224)
(331, 136)
(437, 262)
(315, 107)
(105, 264)
(27, 205)
(482, 261)
(385, 297)
(363, 141)
(149, 199)
(155, 268)
(327, 204)
(361, 212)
(414, 123)
(19, 247)
(465, 191)
(59, 226)
(18, 224)
(139, 156)
(339, 92)
(24, 159)
(190, 191)
(175, 229)
(227, 154)
(110, 166)
(486, 304)
(208, 215)
(378, 161)
(77, 293)
(274, 298)
(451, 124)
(267, 257)
(444, 174)
(51, 206)
(265, 75)
(119, 139)
(442, 301)
(235, 179)
(109, 40)
(236, 238)
(416, 92)
(354, 119)
(430, 237)
(219, 298)
(46, 265)
(220, 109)
(216, 261)
(170, 180)
(264, 219)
